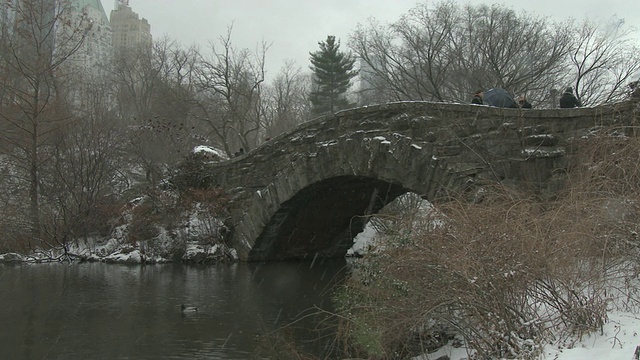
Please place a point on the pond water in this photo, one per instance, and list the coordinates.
(105, 311)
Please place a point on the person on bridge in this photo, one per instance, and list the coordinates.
(634, 89)
(523, 103)
(477, 97)
(569, 100)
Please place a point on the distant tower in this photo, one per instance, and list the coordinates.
(121, 2)
(95, 51)
(58, 21)
(129, 31)
(6, 16)
(40, 20)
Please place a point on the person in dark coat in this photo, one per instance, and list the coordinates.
(477, 97)
(569, 100)
(523, 103)
(634, 90)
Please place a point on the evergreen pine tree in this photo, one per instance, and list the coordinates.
(333, 71)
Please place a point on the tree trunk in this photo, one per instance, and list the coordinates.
(33, 186)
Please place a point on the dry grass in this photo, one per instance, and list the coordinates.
(508, 274)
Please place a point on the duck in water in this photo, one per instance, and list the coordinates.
(188, 309)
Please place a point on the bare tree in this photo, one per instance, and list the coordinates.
(424, 63)
(229, 100)
(380, 64)
(445, 52)
(85, 179)
(170, 131)
(520, 53)
(135, 72)
(286, 105)
(604, 60)
(156, 91)
(42, 35)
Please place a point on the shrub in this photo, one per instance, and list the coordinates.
(209, 211)
(509, 273)
(171, 211)
(145, 219)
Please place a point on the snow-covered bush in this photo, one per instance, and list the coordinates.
(191, 172)
(166, 222)
(208, 153)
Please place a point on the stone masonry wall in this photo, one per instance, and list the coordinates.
(431, 149)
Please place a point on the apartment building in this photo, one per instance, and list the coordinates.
(129, 30)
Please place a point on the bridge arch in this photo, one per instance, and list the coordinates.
(317, 204)
(323, 218)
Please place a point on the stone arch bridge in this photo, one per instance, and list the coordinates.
(308, 192)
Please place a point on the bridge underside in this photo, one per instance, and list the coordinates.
(322, 219)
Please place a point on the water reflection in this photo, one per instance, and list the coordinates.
(98, 311)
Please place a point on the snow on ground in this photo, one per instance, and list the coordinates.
(451, 352)
(619, 339)
(362, 241)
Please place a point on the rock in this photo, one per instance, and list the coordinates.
(11, 258)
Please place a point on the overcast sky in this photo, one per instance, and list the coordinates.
(294, 27)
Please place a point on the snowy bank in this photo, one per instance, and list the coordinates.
(191, 236)
(618, 340)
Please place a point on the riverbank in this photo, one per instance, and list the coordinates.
(120, 253)
(160, 227)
